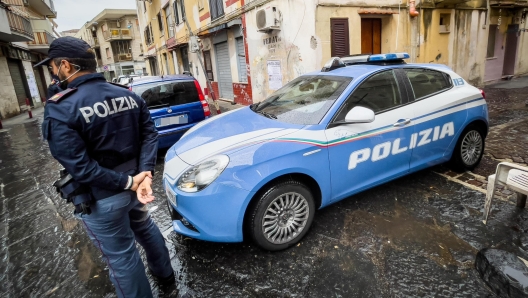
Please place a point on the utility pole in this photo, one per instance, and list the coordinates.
(200, 54)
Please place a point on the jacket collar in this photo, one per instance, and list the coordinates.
(85, 78)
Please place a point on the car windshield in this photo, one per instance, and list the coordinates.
(164, 94)
(304, 100)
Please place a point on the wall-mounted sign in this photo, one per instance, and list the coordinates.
(274, 74)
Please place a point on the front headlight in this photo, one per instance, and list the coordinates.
(200, 176)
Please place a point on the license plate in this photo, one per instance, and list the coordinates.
(171, 196)
(180, 119)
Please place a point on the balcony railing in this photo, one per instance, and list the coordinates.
(42, 38)
(20, 25)
(123, 57)
(117, 34)
(94, 42)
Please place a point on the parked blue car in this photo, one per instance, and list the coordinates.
(176, 104)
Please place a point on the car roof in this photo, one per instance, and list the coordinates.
(166, 78)
(359, 70)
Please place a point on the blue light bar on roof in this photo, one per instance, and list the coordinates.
(388, 57)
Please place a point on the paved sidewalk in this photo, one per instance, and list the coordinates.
(23, 118)
(225, 106)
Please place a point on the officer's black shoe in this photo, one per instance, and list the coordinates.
(167, 285)
(165, 281)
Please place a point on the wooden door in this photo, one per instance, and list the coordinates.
(510, 53)
(340, 45)
(370, 36)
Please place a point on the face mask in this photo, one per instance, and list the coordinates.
(64, 83)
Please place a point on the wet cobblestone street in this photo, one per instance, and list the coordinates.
(415, 236)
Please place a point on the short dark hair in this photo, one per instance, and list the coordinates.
(85, 64)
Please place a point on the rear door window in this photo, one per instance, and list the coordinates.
(426, 82)
(164, 94)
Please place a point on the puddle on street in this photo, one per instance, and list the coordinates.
(403, 232)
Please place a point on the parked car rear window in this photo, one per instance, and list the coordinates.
(163, 94)
(425, 82)
(304, 100)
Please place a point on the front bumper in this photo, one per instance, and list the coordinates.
(215, 213)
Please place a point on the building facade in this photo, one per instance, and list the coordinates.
(249, 49)
(26, 31)
(115, 36)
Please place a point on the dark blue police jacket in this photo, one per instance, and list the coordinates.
(94, 126)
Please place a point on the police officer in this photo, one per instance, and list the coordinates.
(103, 136)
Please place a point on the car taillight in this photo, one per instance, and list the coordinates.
(483, 93)
(205, 105)
(130, 88)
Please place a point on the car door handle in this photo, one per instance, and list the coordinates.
(402, 122)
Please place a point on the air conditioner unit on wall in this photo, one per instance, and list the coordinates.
(268, 18)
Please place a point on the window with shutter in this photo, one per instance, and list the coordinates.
(176, 14)
(217, 8)
(339, 35)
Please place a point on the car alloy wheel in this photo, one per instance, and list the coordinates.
(285, 218)
(281, 215)
(471, 147)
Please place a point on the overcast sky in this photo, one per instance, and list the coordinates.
(72, 14)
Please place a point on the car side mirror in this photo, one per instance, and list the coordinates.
(359, 115)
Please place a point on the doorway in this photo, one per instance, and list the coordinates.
(510, 52)
(370, 36)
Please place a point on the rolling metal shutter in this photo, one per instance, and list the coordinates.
(40, 84)
(241, 56)
(223, 67)
(18, 81)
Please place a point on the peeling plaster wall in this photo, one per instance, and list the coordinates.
(294, 46)
(434, 46)
(468, 53)
(8, 99)
(522, 51)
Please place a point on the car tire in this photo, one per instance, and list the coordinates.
(285, 211)
(469, 149)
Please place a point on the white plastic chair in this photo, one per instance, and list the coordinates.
(513, 176)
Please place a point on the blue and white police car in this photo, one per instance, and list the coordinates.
(262, 171)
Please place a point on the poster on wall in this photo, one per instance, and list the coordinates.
(33, 89)
(274, 74)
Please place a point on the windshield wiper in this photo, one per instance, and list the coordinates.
(254, 106)
(271, 116)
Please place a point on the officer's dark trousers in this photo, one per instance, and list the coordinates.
(113, 225)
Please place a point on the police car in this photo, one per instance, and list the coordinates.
(263, 171)
(176, 103)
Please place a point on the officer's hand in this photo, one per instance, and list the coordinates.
(139, 178)
(144, 191)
